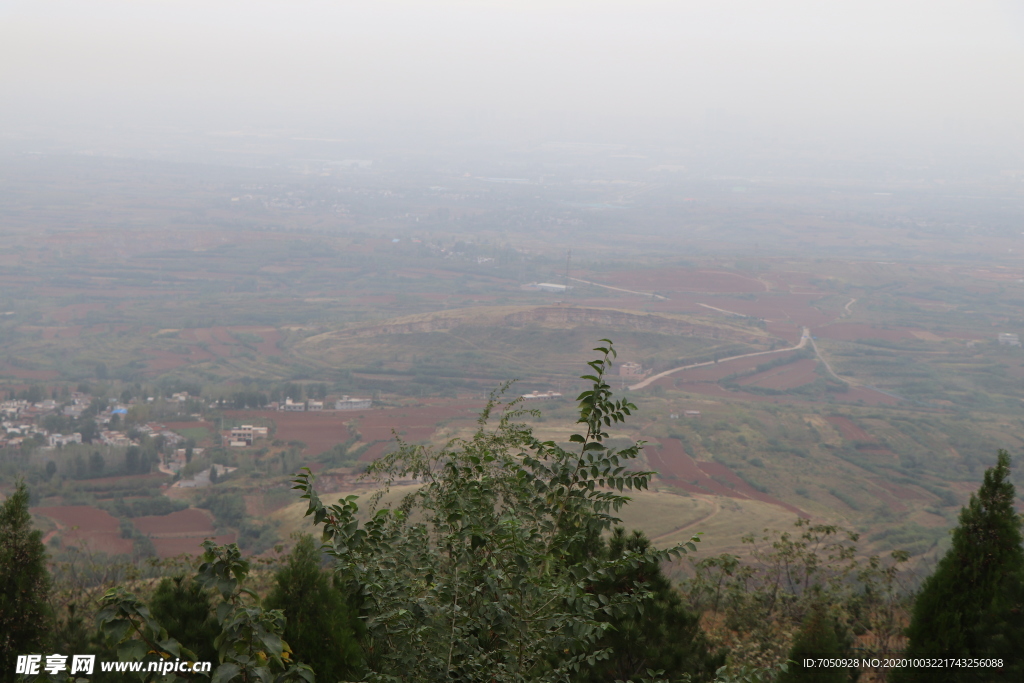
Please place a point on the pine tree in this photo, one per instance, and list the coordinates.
(183, 607)
(973, 605)
(666, 636)
(24, 584)
(817, 638)
(321, 626)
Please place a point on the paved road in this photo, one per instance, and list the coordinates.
(805, 337)
(620, 289)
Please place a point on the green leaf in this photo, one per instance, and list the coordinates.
(131, 651)
(225, 672)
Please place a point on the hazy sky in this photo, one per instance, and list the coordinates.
(928, 70)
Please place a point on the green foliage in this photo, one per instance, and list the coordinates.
(256, 538)
(973, 605)
(480, 574)
(665, 636)
(761, 601)
(183, 607)
(817, 638)
(25, 616)
(321, 625)
(127, 626)
(227, 508)
(249, 644)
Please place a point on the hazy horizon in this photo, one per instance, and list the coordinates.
(869, 79)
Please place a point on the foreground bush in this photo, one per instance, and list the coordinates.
(482, 574)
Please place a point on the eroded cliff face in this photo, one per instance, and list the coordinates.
(431, 325)
(564, 316)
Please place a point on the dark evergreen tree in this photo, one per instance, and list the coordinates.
(131, 459)
(182, 607)
(74, 633)
(321, 625)
(973, 605)
(666, 636)
(25, 619)
(817, 638)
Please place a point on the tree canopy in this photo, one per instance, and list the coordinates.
(973, 604)
(478, 574)
(24, 583)
(321, 625)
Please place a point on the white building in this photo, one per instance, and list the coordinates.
(1009, 339)
(62, 440)
(629, 369)
(349, 403)
(292, 405)
(538, 396)
(247, 434)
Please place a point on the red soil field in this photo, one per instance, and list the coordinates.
(680, 280)
(187, 545)
(867, 396)
(671, 461)
(412, 424)
(848, 429)
(714, 469)
(902, 492)
(373, 452)
(163, 361)
(673, 464)
(9, 370)
(87, 517)
(71, 332)
(892, 502)
(854, 331)
(784, 330)
(320, 431)
(785, 377)
(97, 529)
(190, 522)
(66, 314)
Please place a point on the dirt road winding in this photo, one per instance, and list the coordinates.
(805, 337)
